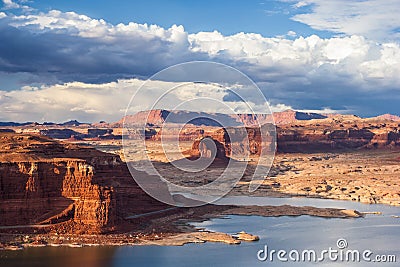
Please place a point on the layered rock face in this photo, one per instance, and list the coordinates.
(292, 116)
(337, 134)
(43, 181)
(208, 147)
(160, 116)
(238, 142)
(40, 192)
(325, 135)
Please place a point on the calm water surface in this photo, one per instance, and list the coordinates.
(378, 233)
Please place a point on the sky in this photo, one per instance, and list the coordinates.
(74, 59)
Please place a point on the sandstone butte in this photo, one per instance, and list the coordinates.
(295, 131)
(160, 116)
(43, 181)
(335, 133)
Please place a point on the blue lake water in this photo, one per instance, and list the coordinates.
(377, 233)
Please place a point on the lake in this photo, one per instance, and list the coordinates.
(377, 233)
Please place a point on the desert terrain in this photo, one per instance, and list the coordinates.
(68, 184)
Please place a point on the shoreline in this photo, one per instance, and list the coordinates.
(283, 194)
(178, 231)
(367, 176)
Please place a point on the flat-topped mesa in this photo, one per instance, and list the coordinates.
(326, 135)
(338, 133)
(158, 117)
(43, 181)
(292, 116)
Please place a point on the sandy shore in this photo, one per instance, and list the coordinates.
(172, 230)
(367, 176)
(363, 176)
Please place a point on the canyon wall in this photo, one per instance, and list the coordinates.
(160, 116)
(43, 181)
(238, 143)
(332, 134)
(307, 137)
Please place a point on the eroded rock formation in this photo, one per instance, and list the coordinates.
(239, 142)
(208, 147)
(43, 181)
(340, 133)
(160, 116)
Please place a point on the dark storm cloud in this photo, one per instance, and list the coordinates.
(350, 74)
(60, 56)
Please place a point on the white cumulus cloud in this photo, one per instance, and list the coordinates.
(109, 101)
(308, 73)
(9, 4)
(375, 19)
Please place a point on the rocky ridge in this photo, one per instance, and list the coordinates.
(43, 182)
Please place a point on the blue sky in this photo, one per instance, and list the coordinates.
(63, 60)
(269, 18)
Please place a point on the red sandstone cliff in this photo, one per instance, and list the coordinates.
(159, 116)
(340, 132)
(333, 134)
(43, 181)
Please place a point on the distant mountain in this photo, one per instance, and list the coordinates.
(10, 123)
(389, 117)
(160, 116)
(71, 123)
(290, 116)
(16, 124)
